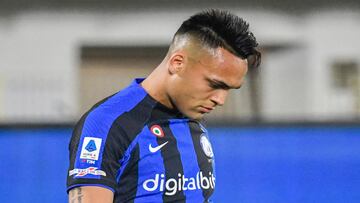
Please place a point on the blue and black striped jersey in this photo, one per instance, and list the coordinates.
(142, 151)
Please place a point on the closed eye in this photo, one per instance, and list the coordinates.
(215, 84)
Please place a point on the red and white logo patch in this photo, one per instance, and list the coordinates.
(157, 131)
(80, 172)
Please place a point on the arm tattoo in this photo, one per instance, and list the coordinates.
(76, 195)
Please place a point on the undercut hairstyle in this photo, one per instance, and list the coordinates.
(216, 28)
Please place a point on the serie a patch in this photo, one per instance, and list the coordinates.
(90, 148)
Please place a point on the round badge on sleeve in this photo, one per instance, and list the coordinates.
(206, 146)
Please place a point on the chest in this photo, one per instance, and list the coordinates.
(176, 144)
(177, 155)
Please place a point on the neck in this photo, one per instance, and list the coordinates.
(155, 86)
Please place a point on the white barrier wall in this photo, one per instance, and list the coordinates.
(39, 58)
(332, 37)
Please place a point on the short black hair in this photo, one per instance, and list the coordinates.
(217, 28)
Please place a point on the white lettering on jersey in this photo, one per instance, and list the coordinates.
(181, 183)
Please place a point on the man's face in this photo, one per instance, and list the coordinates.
(202, 82)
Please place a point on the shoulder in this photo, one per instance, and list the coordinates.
(125, 112)
(105, 112)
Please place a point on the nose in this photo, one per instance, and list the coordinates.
(219, 97)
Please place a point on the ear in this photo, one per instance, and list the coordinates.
(176, 63)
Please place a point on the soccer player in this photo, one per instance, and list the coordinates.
(147, 142)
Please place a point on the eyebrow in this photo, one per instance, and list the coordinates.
(222, 84)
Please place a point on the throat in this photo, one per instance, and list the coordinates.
(157, 91)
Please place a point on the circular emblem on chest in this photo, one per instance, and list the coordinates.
(157, 131)
(206, 146)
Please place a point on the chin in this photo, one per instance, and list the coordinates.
(195, 116)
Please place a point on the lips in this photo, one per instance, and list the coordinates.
(206, 109)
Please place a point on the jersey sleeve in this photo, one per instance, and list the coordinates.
(95, 152)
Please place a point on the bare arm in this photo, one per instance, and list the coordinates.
(90, 194)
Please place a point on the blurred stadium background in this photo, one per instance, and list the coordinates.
(292, 134)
